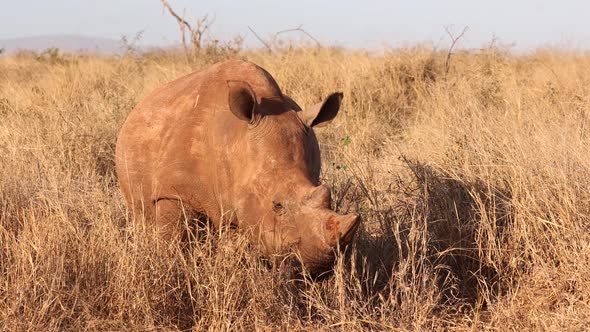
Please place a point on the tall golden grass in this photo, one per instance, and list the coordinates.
(473, 186)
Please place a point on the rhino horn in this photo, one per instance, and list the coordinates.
(348, 226)
(341, 229)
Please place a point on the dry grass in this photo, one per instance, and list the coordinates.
(473, 188)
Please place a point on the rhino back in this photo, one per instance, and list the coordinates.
(176, 140)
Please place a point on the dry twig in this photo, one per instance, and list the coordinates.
(269, 45)
(196, 33)
(454, 40)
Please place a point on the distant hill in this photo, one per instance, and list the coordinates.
(66, 43)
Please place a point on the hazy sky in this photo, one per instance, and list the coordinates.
(368, 23)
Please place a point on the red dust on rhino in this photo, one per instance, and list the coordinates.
(225, 141)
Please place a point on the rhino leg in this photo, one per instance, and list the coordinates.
(169, 217)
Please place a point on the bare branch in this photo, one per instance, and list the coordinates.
(288, 30)
(317, 42)
(261, 40)
(299, 29)
(454, 40)
(203, 24)
(180, 20)
(182, 25)
(196, 34)
(272, 43)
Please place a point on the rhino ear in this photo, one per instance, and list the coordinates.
(322, 113)
(242, 101)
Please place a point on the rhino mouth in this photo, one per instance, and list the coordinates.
(316, 262)
(316, 258)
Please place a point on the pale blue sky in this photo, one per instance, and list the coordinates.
(369, 23)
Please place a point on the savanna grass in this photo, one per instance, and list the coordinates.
(473, 186)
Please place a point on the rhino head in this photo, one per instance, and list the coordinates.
(277, 189)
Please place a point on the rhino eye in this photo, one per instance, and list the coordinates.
(277, 206)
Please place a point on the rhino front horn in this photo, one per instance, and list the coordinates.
(347, 226)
